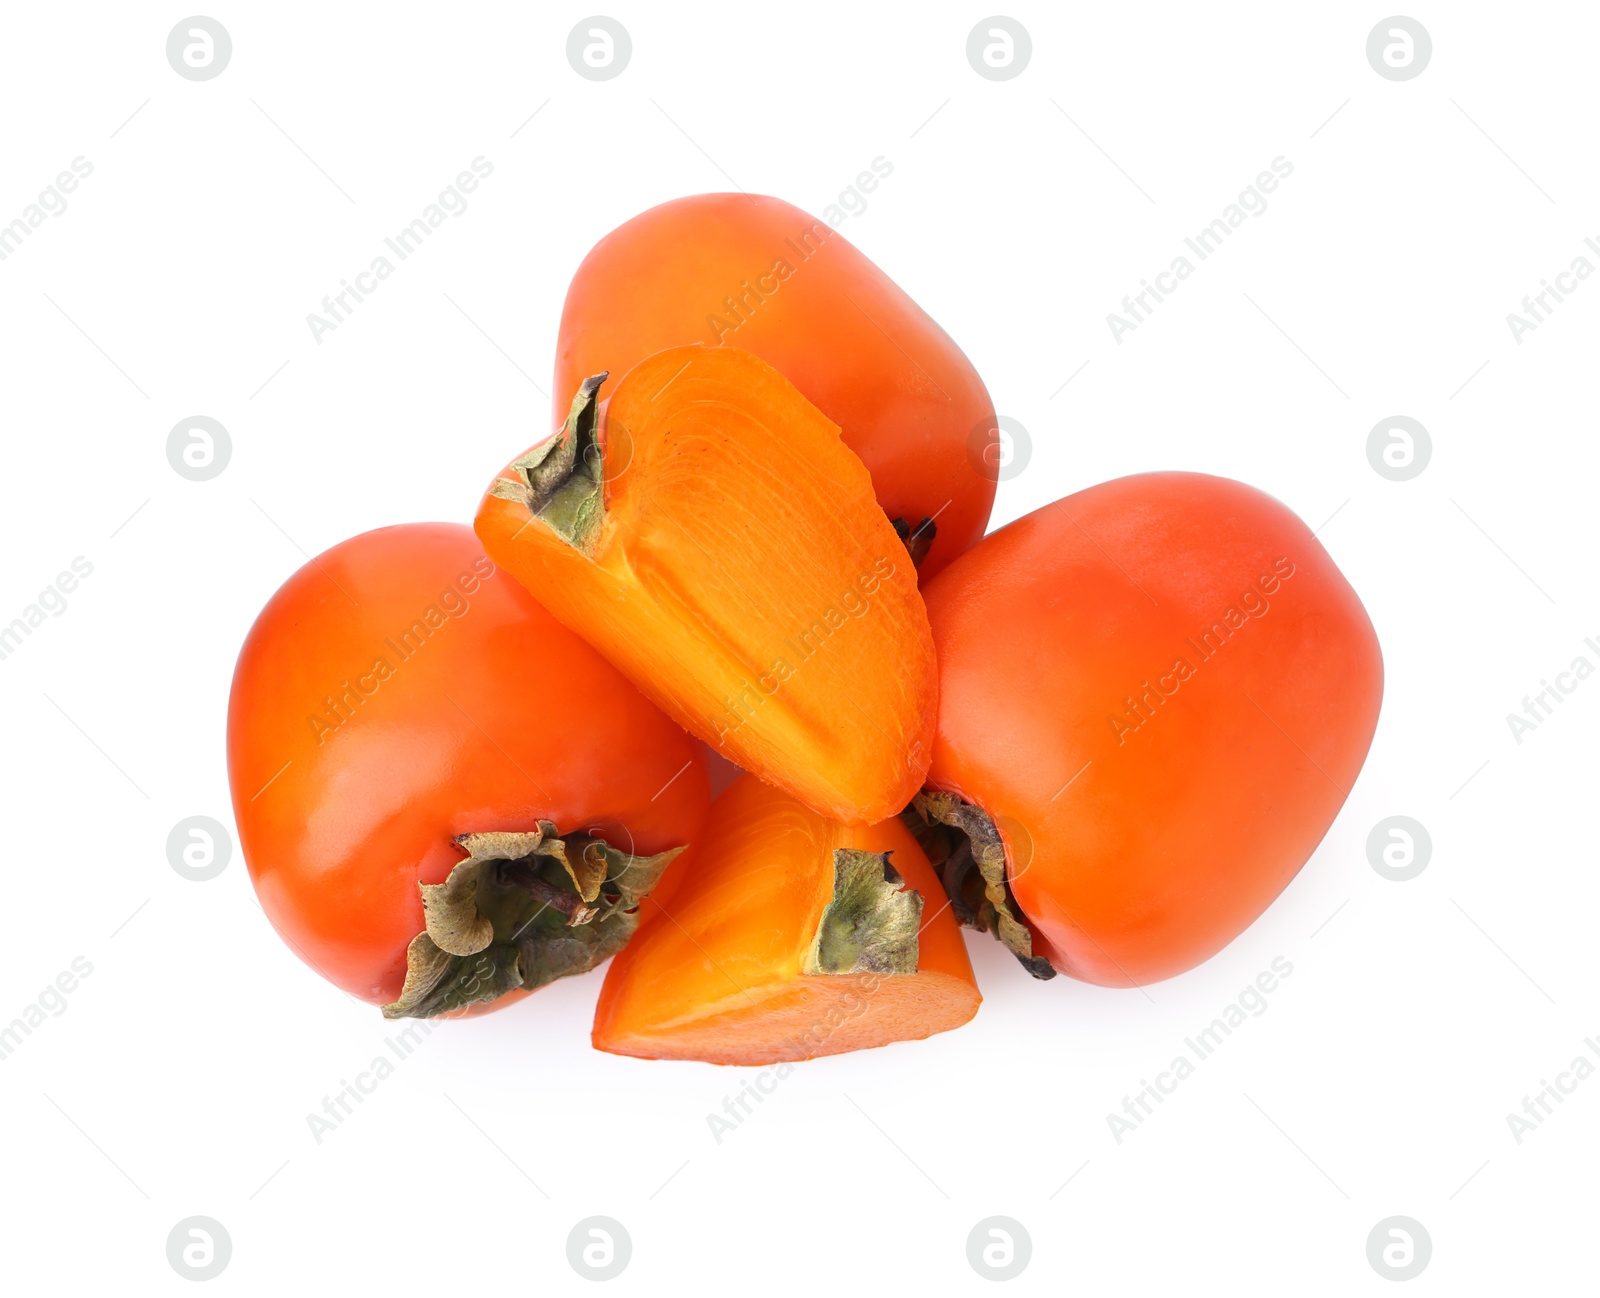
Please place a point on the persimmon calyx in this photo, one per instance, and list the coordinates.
(562, 480)
(871, 924)
(967, 852)
(522, 910)
(917, 540)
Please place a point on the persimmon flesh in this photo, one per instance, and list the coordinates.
(712, 536)
(786, 936)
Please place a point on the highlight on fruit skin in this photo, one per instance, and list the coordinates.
(444, 797)
(782, 936)
(711, 535)
(757, 273)
(1155, 696)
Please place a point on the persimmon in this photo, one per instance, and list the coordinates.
(713, 537)
(444, 797)
(786, 936)
(759, 274)
(1155, 696)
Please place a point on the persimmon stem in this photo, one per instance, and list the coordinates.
(873, 922)
(521, 874)
(561, 481)
(523, 909)
(918, 540)
(963, 844)
(954, 871)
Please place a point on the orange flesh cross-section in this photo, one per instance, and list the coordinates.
(744, 577)
(717, 971)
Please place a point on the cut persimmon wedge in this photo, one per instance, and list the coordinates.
(781, 936)
(711, 535)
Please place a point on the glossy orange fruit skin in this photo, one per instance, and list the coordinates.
(499, 718)
(815, 308)
(1151, 812)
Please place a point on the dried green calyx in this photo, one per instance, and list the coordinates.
(917, 540)
(967, 852)
(872, 923)
(522, 910)
(561, 481)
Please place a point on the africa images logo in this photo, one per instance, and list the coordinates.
(452, 201)
(1540, 707)
(51, 202)
(341, 706)
(1207, 240)
(1250, 1003)
(1252, 604)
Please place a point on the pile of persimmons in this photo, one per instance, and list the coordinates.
(466, 762)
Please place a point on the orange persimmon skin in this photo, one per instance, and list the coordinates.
(744, 578)
(492, 716)
(1156, 789)
(715, 970)
(815, 308)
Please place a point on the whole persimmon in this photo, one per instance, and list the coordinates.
(444, 797)
(757, 273)
(1154, 698)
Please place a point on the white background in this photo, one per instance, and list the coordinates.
(177, 282)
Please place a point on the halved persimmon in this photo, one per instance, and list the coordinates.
(785, 936)
(714, 538)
